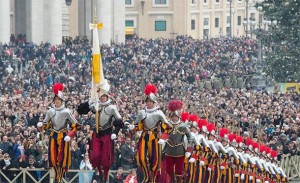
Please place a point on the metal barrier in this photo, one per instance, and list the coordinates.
(24, 175)
(231, 82)
(291, 167)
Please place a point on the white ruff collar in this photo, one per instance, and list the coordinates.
(105, 103)
(151, 110)
(59, 108)
(175, 123)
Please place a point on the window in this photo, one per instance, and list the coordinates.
(194, 2)
(217, 1)
(216, 22)
(205, 21)
(239, 20)
(205, 1)
(228, 31)
(160, 25)
(205, 33)
(164, 2)
(193, 24)
(129, 23)
(128, 2)
(228, 20)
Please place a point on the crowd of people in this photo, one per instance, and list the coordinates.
(176, 66)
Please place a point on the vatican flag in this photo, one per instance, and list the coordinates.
(97, 69)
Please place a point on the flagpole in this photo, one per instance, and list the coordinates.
(97, 70)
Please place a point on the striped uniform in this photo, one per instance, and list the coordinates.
(149, 151)
(57, 120)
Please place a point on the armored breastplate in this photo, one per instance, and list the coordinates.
(59, 118)
(107, 113)
(177, 134)
(153, 118)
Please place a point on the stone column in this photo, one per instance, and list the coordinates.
(104, 15)
(36, 21)
(119, 21)
(5, 21)
(53, 21)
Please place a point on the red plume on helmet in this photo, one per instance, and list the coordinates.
(193, 117)
(239, 139)
(58, 87)
(202, 122)
(150, 88)
(185, 116)
(274, 154)
(231, 137)
(211, 128)
(262, 148)
(255, 146)
(249, 142)
(268, 150)
(175, 105)
(223, 132)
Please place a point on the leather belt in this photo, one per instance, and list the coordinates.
(62, 130)
(104, 128)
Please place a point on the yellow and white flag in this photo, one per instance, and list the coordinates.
(97, 69)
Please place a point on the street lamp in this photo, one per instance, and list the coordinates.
(68, 2)
(259, 80)
(233, 22)
(247, 18)
(249, 24)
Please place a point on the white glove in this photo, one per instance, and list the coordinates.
(201, 163)
(131, 127)
(67, 138)
(187, 154)
(40, 124)
(192, 160)
(266, 181)
(250, 177)
(236, 175)
(257, 181)
(209, 169)
(242, 176)
(113, 136)
(161, 141)
(222, 167)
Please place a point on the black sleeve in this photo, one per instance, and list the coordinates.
(118, 124)
(83, 108)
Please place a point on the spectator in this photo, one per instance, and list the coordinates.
(117, 177)
(44, 164)
(85, 177)
(75, 154)
(32, 164)
(131, 177)
(117, 154)
(291, 149)
(5, 165)
(127, 155)
(6, 146)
